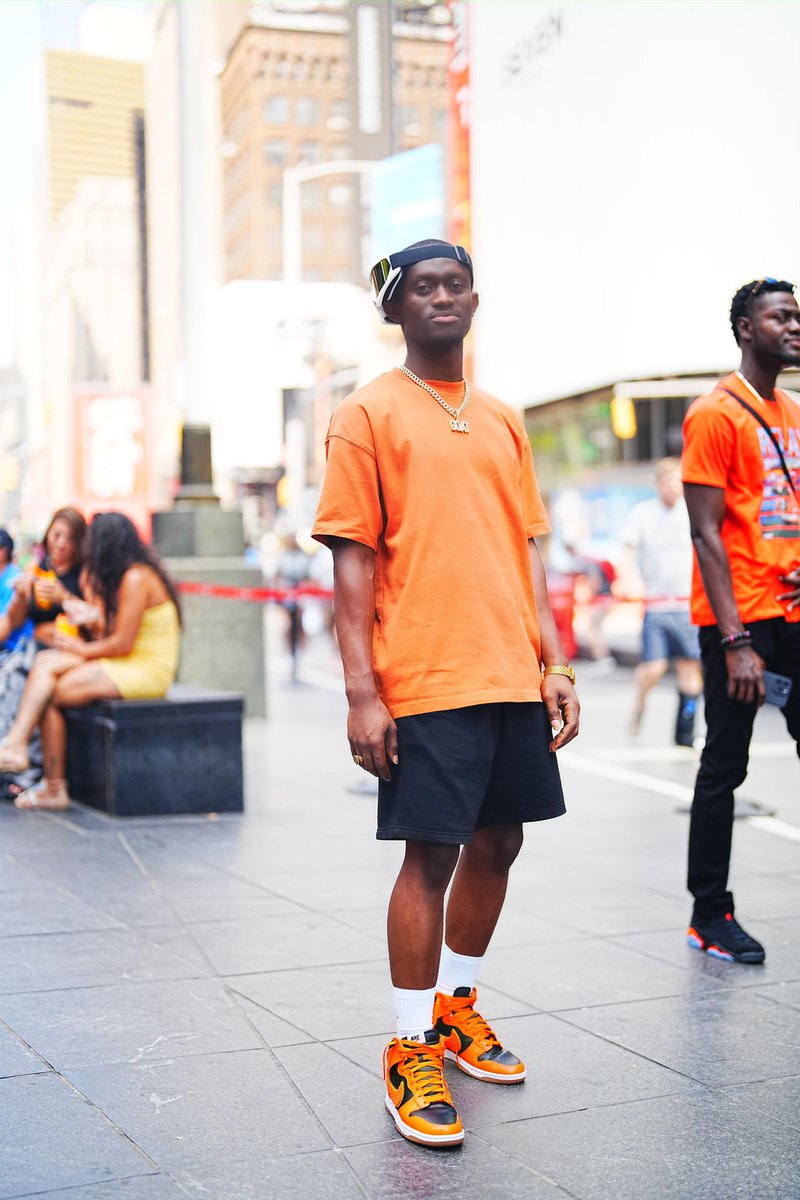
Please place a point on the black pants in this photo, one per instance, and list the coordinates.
(723, 766)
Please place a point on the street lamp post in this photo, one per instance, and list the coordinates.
(293, 177)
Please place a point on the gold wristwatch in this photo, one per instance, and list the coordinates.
(561, 669)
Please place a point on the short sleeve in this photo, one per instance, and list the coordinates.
(534, 512)
(709, 439)
(350, 500)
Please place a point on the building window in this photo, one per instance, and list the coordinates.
(312, 196)
(338, 116)
(275, 194)
(309, 152)
(306, 110)
(276, 110)
(315, 240)
(276, 152)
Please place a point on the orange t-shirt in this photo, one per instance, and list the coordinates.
(726, 447)
(449, 516)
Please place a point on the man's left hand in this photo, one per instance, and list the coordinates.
(563, 709)
(793, 596)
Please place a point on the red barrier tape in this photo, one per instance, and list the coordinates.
(262, 595)
(256, 595)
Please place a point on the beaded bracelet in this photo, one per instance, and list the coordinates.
(735, 641)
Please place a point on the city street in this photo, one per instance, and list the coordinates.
(196, 1007)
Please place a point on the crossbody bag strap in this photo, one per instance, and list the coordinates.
(769, 434)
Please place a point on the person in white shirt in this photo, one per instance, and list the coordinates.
(657, 539)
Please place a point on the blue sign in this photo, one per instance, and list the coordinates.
(408, 200)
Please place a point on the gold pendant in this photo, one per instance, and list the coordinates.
(459, 426)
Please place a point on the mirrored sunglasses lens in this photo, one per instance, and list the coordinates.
(380, 273)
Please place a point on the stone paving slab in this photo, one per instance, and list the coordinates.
(702, 1146)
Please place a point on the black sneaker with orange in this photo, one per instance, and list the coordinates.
(471, 1042)
(723, 937)
(417, 1096)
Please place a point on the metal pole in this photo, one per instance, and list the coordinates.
(292, 232)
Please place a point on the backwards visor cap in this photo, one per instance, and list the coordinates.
(387, 273)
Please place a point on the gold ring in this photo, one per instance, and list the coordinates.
(358, 759)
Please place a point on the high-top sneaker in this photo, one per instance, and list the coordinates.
(471, 1042)
(417, 1096)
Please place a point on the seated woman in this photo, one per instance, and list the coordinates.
(34, 609)
(40, 594)
(136, 659)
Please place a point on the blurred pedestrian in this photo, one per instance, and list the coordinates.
(741, 474)
(293, 568)
(594, 592)
(431, 508)
(657, 535)
(135, 658)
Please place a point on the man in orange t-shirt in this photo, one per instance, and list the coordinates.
(459, 691)
(741, 477)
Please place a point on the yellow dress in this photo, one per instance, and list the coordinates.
(150, 668)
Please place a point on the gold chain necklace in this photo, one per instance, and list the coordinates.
(456, 424)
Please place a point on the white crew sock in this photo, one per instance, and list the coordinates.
(457, 971)
(413, 1012)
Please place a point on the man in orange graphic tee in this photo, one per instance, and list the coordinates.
(741, 476)
(459, 692)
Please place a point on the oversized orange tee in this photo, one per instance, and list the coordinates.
(449, 516)
(725, 447)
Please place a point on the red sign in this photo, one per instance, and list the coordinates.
(458, 121)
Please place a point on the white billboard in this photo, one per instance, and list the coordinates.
(632, 165)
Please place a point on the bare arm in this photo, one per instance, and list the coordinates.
(706, 507)
(371, 731)
(558, 694)
(134, 597)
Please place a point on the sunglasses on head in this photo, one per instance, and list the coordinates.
(754, 291)
(384, 278)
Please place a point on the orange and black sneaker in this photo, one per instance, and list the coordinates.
(471, 1042)
(417, 1096)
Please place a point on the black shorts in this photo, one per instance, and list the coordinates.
(466, 768)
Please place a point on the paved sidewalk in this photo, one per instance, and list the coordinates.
(194, 1007)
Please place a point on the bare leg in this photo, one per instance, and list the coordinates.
(48, 666)
(415, 916)
(75, 688)
(479, 888)
(54, 742)
(646, 677)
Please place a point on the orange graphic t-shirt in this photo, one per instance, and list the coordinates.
(726, 447)
(449, 515)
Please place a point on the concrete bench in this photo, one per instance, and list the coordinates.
(181, 754)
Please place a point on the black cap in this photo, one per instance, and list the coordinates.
(6, 542)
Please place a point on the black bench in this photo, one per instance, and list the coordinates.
(181, 754)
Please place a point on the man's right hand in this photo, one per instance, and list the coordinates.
(745, 675)
(372, 735)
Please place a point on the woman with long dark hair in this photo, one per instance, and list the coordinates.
(136, 658)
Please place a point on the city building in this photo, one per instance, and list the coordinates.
(289, 97)
(92, 106)
(89, 438)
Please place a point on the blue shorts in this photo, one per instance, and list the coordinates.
(669, 635)
(467, 768)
